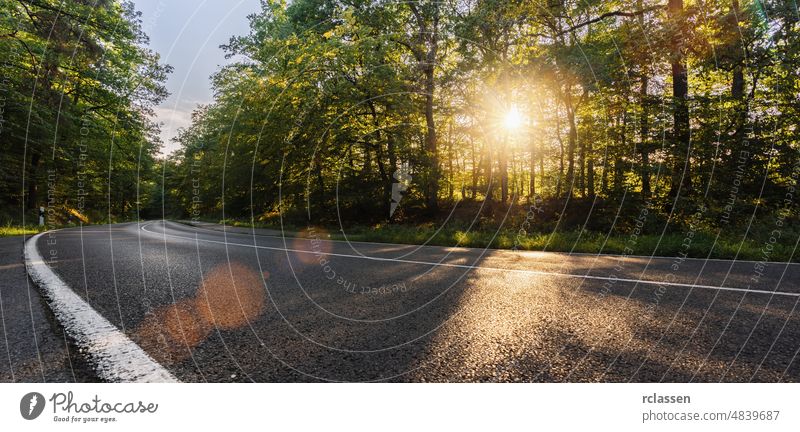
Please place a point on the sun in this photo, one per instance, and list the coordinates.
(513, 119)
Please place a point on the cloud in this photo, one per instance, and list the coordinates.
(172, 119)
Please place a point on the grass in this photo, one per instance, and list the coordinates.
(700, 244)
(676, 244)
(17, 230)
(756, 247)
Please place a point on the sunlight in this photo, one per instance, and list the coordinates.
(513, 119)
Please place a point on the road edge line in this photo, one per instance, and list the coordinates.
(567, 254)
(114, 355)
(474, 267)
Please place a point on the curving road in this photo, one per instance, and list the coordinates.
(216, 306)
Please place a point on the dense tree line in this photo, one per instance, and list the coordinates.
(77, 92)
(343, 109)
(668, 104)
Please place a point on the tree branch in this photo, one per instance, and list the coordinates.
(612, 14)
(600, 18)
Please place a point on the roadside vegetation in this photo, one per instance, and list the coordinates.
(649, 119)
(398, 120)
(702, 242)
(17, 230)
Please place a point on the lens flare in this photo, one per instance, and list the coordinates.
(315, 244)
(170, 332)
(230, 296)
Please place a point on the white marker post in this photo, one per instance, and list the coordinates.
(41, 216)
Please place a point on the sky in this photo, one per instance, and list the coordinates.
(187, 34)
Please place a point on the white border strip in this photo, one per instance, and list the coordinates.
(475, 267)
(226, 229)
(115, 356)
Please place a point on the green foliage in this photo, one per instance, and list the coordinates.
(332, 98)
(336, 110)
(17, 230)
(78, 89)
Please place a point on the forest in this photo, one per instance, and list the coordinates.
(585, 117)
(76, 102)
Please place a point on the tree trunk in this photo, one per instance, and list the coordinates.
(451, 186)
(475, 166)
(560, 180)
(430, 136)
(503, 165)
(532, 186)
(489, 176)
(33, 174)
(320, 184)
(425, 50)
(604, 179)
(390, 148)
(619, 168)
(582, 167)
(541, 170)
(644, 132)
(430, 146)
(682, 173)
(590, 169)
(644, 126)
(737, 83)
(572, 140)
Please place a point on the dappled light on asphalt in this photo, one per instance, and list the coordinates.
(514, 327)
(229, 297)
(484, 336)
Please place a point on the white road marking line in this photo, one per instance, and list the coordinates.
(566, 254)
(473, 267)
(115, 356)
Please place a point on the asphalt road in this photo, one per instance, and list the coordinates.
(219, 307)
(33, 346)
